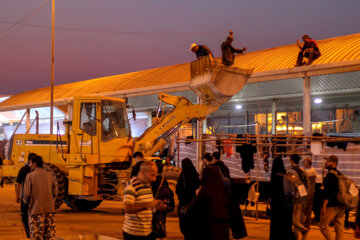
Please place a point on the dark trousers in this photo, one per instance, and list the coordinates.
(25, 218)
(132, 237)
(311, 55)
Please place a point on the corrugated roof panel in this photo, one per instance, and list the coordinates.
(266, 89)
(335, 82)
(339, 49)
(319, 84)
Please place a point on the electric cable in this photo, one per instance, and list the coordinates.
(45, 70)
(24, 18)
(111, 31)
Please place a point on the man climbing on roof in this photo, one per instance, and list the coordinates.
(309, 50)
(228, 50)
(201, 50)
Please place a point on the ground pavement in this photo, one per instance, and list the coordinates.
(105, 222)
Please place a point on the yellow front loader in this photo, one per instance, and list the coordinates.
(92, 161)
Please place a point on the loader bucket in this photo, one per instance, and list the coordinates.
(216, 83)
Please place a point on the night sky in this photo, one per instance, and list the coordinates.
(96, 38)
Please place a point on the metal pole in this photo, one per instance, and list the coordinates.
(27, 120)
(273, 112)
(52, 77)
(306, 106)
(267, 123)
(198, 134)
(52, 69)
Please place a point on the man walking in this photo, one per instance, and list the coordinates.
(331, 209)
(309, 50)
(228, 50)
(40, 192)
(139, 204)
(298, 218)
(311, 176)
(19, 191)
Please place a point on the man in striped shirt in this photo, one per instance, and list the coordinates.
(139, 204)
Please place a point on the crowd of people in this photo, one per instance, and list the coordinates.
(291, 213)
(207, 209)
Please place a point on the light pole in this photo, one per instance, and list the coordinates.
(52, 70)
(52, 77)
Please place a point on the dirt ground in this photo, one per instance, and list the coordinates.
(105, 222)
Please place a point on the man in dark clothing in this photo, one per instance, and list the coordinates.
(331, 209)
(139, 159)
(221, 165)
(207, 159)
(224, 170)
(201, 50)
(228, 50)
(310, 50)
(23, 172)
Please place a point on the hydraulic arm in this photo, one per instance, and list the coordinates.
(154, 137)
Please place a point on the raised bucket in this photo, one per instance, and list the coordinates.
(214, 82)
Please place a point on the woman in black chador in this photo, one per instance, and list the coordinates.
(186, 187)
(210, 208)
(281, 211)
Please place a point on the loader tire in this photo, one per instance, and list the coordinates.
(81, 204)
(61, 182)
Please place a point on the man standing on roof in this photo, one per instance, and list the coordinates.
(228, 50)
(201, 50)
(310, 50)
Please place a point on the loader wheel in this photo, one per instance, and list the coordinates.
(61, 182)
(81, 204)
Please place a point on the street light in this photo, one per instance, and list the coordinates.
(52, 69)
(317, 100)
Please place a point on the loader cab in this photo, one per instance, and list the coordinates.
(114, 121)
(100, 147)
(101, 126)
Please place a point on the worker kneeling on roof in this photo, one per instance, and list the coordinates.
(309, 50)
